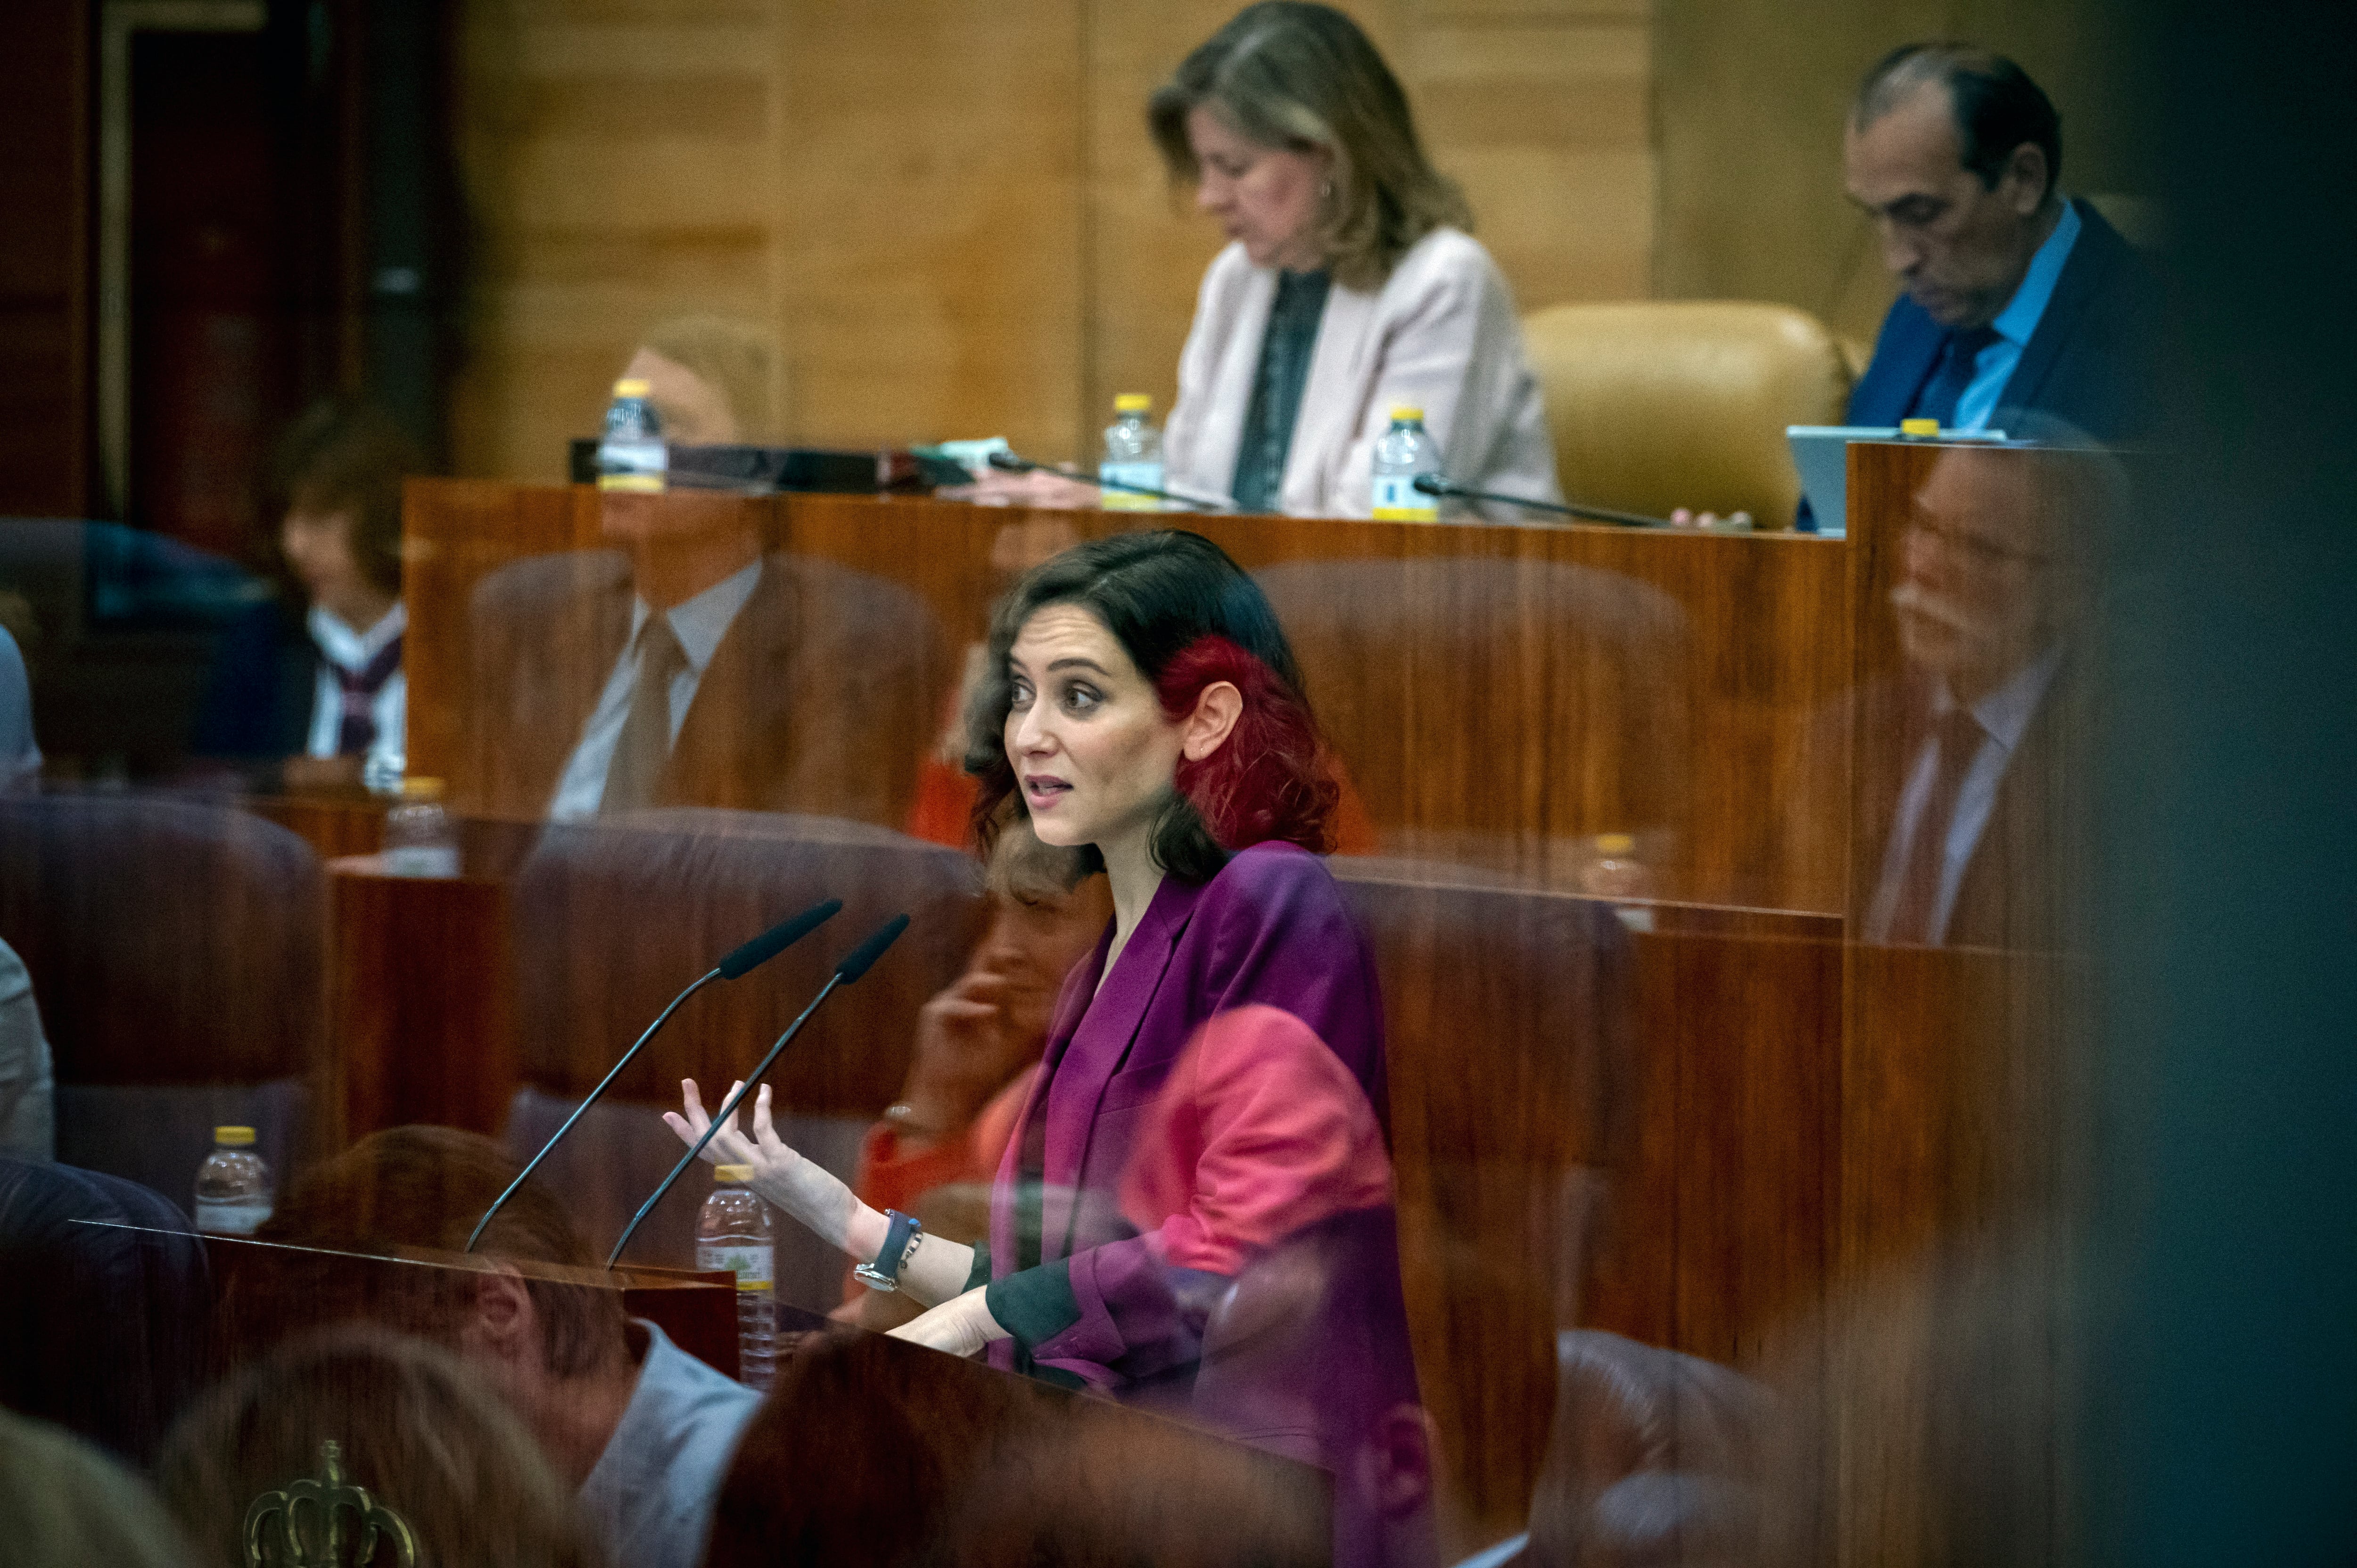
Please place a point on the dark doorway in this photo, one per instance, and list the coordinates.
(213, 290)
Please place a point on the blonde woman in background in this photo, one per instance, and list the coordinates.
(1350, 283)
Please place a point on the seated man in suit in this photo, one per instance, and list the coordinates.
(1970, 753)
(686, 668)
(2018, 302)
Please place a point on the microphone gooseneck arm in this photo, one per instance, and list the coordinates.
(742, 961)
(1432, 485)
(1010, 463)
(855, 964)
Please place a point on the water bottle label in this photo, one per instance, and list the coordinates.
(753, 1266)
(632, 465)
(1398, 501)
(1146, 474)
(232, 1217)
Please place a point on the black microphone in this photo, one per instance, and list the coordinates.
(1434, 484)
(1007, 462)
(751, 956)
(853, 964)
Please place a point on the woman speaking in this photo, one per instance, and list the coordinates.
(1140, 714)
(1350, 285)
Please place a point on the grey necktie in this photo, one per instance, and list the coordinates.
(645, 744)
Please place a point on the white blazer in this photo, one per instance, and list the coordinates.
(1441, 334)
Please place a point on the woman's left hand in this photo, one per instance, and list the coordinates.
(961, 1326)
(793, 1181)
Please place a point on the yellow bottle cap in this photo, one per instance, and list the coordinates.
(632, 386)
(1133, 402)
(1614, 843)
(421, 789)
(233, 1137)
(1407, 411)
(732, 1172)
(1918, 428)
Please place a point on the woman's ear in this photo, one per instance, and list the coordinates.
(1217, 708)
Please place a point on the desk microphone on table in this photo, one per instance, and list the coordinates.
(1007, 462)
(744, 960)
(855, 963)
(1434, 484)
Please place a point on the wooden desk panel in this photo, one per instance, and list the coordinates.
(1498, 694)
(420, 990)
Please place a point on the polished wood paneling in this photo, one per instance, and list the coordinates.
(48, 451)
(420, 1000)
(1498, 694)
(334, 824)
(1960, 1069)
(1628, 1129)
(950, 215)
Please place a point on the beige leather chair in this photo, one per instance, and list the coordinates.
(1664, 403)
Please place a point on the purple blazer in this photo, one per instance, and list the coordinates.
(1270, 927)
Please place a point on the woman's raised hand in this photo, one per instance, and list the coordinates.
(800, 1186)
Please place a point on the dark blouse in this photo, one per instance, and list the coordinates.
(1275, 407)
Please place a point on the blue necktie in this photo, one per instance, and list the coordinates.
(1946, 388)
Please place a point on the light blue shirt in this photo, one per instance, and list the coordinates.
(700, 622)
(2014, 326)
(1490, 1556)
(21, 759)
(652, 1490)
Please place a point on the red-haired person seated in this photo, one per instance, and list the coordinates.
(1141, 713)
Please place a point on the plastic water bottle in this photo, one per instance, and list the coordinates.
(630, 455)
(1404, 452)
(733, 1233)
(419, 837)
(232, 1186)
(1613, 871)
(1133, 455)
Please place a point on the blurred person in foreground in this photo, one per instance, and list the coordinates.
(1143, 715)
(315, 697)
(460, 1478)
(713, 379)
(1973, 754)
(27, 1089)
(2018, 302)
(63, 1505)
(1351, 284)
(1110, 1498)
(685, 666)
(640, 1427)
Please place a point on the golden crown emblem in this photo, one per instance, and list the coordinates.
(324, 1523)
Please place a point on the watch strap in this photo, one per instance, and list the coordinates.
(899, 1240)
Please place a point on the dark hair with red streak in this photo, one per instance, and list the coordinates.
(1187, 617)
(1269, 780)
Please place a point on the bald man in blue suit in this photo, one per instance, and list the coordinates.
(2021, 306)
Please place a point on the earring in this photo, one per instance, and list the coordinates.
(1328, 193)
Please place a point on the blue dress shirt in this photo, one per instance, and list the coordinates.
(652, 1490)
(2014, 326)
